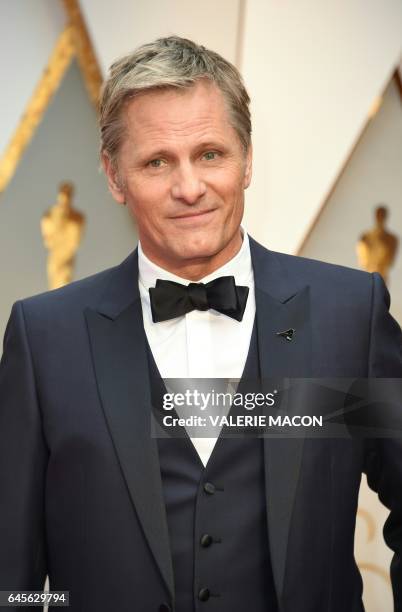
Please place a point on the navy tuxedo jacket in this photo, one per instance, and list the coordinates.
(80, 485)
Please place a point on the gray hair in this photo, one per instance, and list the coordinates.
(170, 62)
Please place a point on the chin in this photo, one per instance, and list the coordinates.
(198, 248)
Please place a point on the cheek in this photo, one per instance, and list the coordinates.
(232, 189)
(231, 180)
(147, 199)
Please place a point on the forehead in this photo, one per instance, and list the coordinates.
(172, 114)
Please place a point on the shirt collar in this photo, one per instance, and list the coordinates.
(239, 266)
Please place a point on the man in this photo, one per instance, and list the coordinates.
(127, 521)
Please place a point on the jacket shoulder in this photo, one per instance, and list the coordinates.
(79, 291)
(318, 268)
(313, 270)
(77, 295)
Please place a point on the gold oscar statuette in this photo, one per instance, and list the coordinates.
(62, 227)
(377, 248)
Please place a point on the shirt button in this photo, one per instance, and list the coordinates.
(203, 594)
(209, 488)
(206, 540)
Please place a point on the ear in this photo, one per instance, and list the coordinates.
(249, 166)
(113, 179)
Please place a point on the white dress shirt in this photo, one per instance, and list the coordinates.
(200, 344)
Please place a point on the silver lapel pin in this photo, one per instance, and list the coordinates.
(287, 334)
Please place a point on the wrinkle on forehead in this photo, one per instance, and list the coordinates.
(171, 115)
(202, 129)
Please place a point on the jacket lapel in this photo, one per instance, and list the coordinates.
(118, 347)
(282, 302)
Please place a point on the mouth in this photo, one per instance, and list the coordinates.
(195, 215)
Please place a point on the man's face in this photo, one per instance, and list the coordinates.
(182, 172)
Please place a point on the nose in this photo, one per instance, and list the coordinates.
(187, 185)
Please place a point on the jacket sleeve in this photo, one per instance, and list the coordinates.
(383, 460)
(23, 460)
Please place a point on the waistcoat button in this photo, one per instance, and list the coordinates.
(203, 594)
(209, 488)
(206, 540)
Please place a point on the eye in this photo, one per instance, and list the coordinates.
(210, 155)
(156, 163)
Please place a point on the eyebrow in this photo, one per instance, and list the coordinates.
(163, 152)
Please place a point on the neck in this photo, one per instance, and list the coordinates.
(197, 268)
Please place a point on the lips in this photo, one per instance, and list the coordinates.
(194, 215)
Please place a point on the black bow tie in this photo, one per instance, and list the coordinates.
(170, 300)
